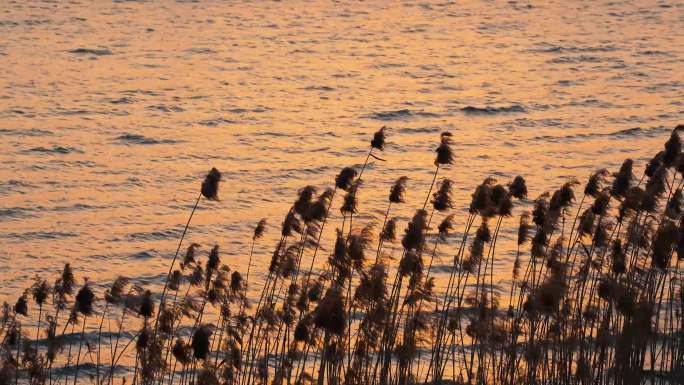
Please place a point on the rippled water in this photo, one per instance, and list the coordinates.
(111, 113)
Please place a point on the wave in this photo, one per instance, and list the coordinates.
(493, 110)
(156, 235)
(200, 50)
(581, 59)
(55, 150)
(400, 115)
(123, 100)
(319, 88)
(551, 48)
(21, 132)
(91, 51)
(165, 108)
(140, 139)
(620, 134)
(216, 122)
(39, 235)
(239, 110)
(15, 213)
(147, 254)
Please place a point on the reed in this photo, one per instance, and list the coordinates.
(595, 293)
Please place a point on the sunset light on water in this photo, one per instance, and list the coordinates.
(112, 115)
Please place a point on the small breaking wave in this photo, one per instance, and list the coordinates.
(620, 134)
(165, 108)
(20, 132)
(123, 100)
(319, 88)
(55, 150)
(141, 139)
(400, 115)
(147, 254)
(216, 122)
(39, 235)
(493, 110)
(91, 51)
(156, 235)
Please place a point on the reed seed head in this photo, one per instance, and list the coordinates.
(200, 342)
(40, 291)
(115, 294)
(441, 199)
(623, 179)
(330, 314)
(518, 188)
(181, 352)
(84, 300)
(446, 226)
(596, 180)
(259, 229)
(445, 154)
(21, 306)
(210, 185)
(345, 178)
(146, 305)
(350, 203)
(379, 139)
(291, 224)
(389, 233)
(524, 228)
(414, 236)
(398, 190)
(304, 199)
(190, 255)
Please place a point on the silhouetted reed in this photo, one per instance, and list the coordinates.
(594, 297)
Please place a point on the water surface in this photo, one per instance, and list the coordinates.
(112, 112)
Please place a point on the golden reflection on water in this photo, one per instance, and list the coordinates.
(103, 149)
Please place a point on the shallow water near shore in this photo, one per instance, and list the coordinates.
(111, 113)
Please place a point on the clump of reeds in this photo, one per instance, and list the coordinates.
(595, 294)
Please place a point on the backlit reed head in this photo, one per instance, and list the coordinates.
(291, 224)
(182, 352)
(146, 305)
(358, 242)
(595, 183)
(67, 281)
(389, 232)
(214, 260)
(446, 226)
(21, 306)
(414, 236)
(117, 291)
(330, 314)
(524, 229)
(259, 229)
(351, 201)
(210, 185)
(318, 209)
(200, 342)
(518, 188)
(444, 153)
(175, 280)
(84, 300)
(673, 148)
(304, 199)
(40, 291)
(345, 178)
(623, 179)
(441, 199)
(189, 257)
(398, 190)
(379, 139)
